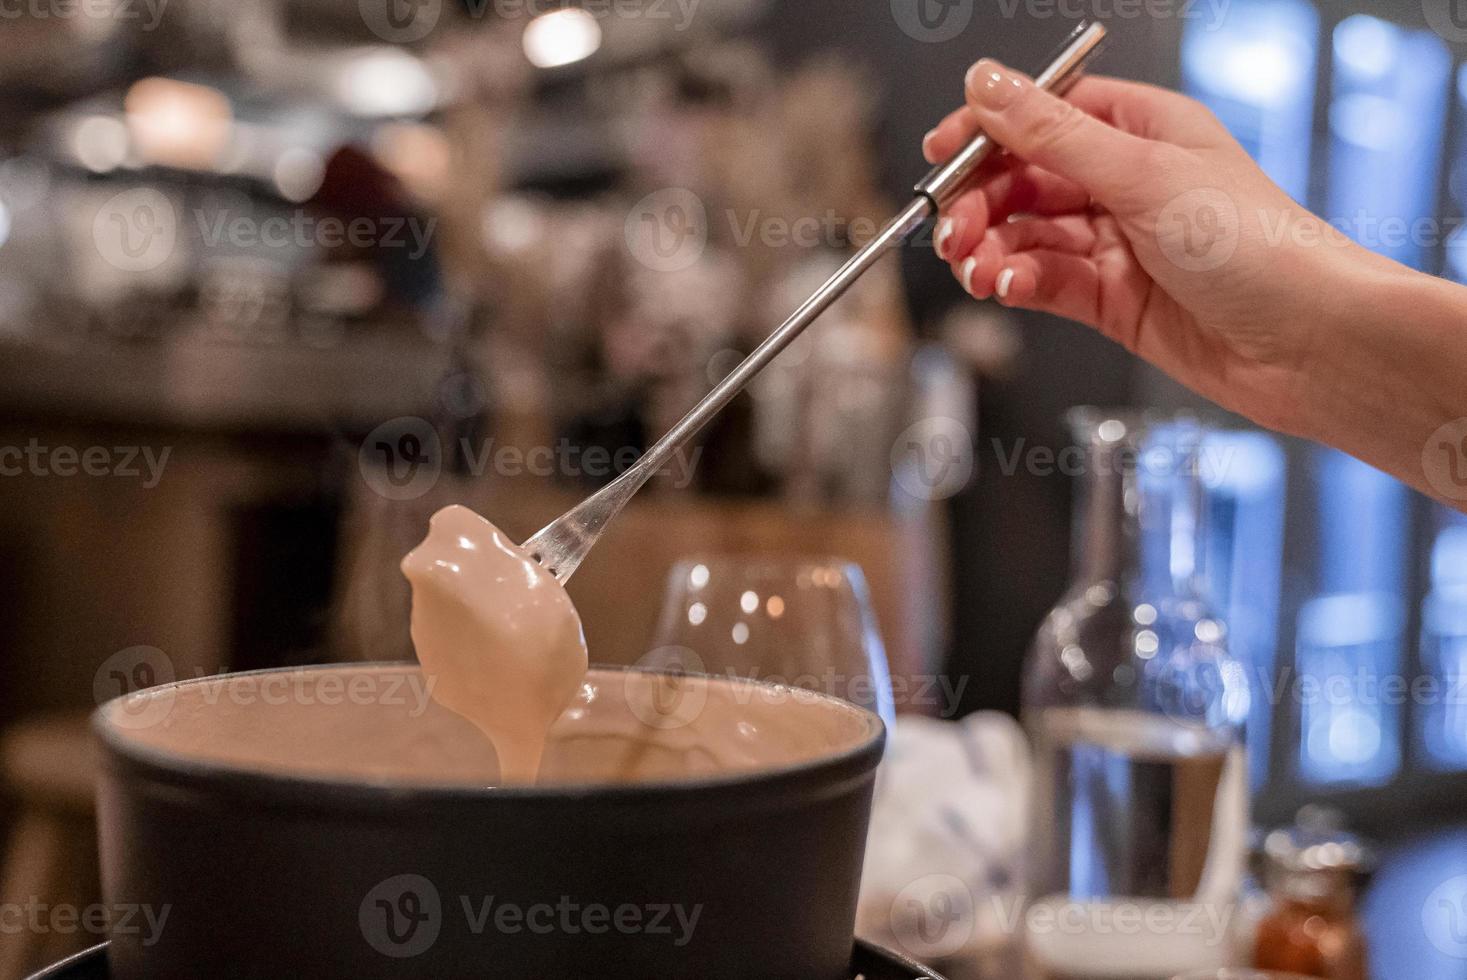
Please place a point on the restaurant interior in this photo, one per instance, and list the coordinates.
(280, 279)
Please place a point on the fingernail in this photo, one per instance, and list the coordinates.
(1005, 282)
(944, 236)
(927, 140)
(992, 85)
(966, 272)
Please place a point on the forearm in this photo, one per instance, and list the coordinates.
(1389, 371)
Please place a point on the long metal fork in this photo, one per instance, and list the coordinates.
(564, 544)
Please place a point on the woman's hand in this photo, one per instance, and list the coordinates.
(1131, 209)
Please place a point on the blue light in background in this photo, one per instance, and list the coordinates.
(1456, 246)
(1245, 477)
(1443, 717)
(1256, 70)
(1351, 635)
(1386, 121)
(1349, 718)
(1364, 527)
(1387, 116)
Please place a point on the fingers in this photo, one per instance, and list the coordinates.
(982, 272)
(1018, 189)
(1055, 282)
(1028, 190)
(1073, 234)
(1143, 110)
(949, 136)
(1056, 135)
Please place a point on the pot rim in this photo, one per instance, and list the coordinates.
(859, 758)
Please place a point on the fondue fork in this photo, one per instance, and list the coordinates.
(564, 544)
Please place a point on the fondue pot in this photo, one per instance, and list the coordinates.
(336, 822)
(868, 962)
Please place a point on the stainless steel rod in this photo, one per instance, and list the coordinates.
(947, 180)
(895, 232)
(562, 545)
(936, 190)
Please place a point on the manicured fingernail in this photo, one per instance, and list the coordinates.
(927, 142)
(992, 85)
(944, 236)
(1004, 284)
(966, 272)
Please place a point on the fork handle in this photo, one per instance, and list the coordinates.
(947, 180)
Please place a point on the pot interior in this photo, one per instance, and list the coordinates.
(379, 724)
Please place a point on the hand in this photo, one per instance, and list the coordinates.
(1131, 209)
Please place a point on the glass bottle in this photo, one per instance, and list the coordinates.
(1134, 709)
(1312, 927)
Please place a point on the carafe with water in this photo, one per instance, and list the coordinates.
(1134, 708)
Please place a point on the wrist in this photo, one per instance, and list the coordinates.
(1388, 363)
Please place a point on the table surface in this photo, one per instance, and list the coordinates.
(1414, 914)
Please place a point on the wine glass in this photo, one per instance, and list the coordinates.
(800, 622)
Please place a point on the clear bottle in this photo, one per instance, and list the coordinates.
(1134, 708)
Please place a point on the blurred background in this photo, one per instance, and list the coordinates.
(278, 279)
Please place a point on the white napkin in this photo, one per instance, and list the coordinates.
(947, 833)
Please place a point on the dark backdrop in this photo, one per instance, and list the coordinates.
(1010, 532)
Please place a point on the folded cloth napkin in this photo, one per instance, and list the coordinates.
(947, 831)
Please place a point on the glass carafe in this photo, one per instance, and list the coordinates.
(1134, 708)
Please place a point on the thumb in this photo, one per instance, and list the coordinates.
(1045, 130)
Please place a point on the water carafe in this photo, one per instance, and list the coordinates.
(1134, 709)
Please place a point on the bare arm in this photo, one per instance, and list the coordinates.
(1131, 209)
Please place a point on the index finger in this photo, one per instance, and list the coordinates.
(1135, 108)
